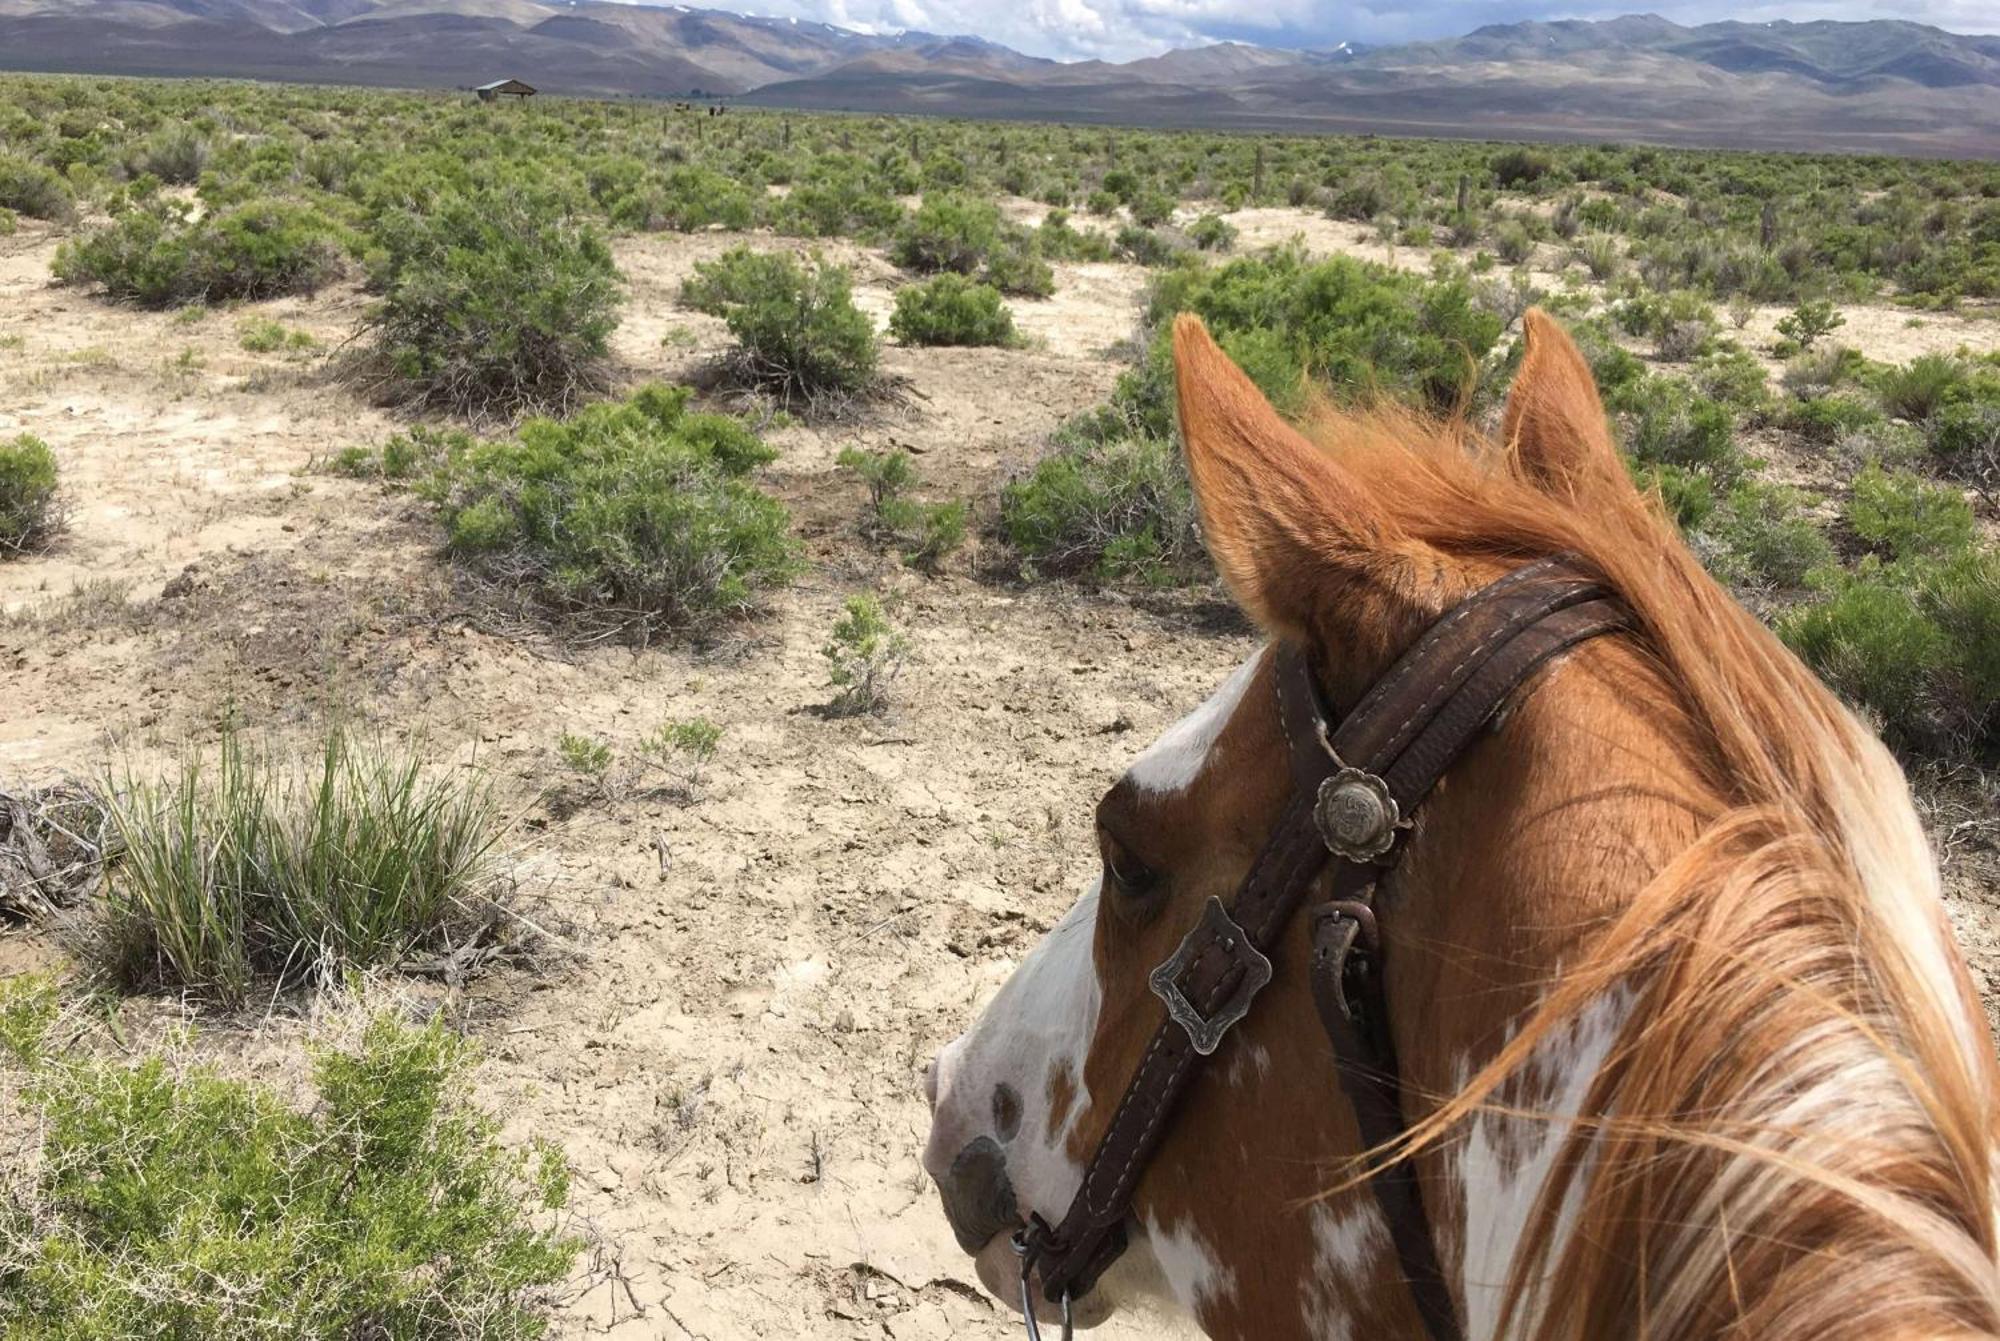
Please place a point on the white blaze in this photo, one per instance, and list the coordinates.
(1175, 760)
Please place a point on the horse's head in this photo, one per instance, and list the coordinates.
(1593, 787)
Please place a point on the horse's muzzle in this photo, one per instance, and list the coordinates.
(978, 1197)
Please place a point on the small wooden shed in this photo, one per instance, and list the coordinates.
(504, 88)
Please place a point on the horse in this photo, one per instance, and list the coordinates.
(1685, 1046)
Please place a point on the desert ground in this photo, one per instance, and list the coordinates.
(732, 997)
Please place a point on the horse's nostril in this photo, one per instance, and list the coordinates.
(978, 1197)
(1006, 1112)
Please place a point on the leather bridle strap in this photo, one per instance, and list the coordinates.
(1353, 788)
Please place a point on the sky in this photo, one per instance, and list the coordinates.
(1124, 29)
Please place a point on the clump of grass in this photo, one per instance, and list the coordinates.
(31, 511)
(684, 750)
(924, 532)
(243, 869)
(264, 336)
(1920, 388)
(864, 654)
(637, 515)
(586, 756)
(164, 1199)
(1600, 254)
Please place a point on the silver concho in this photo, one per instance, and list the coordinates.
(1356, 815)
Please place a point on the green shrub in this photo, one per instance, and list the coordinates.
(888, 475)
(1903, 515)
(947, 233)
(1357, 327)
(798, 332)
(1871, 641)
(1519, 167)
(491, 303)
(949, 309)
(687, 200)
(684, 750)
(1918, 389)
(1917, 643)
(1143, 246)
(176, 155)
(1513, 243)
(421, 451)
(167, 1200)
(1809, 322)
(27, 187)
(1057, 238)
(161, 258)
(30, 501)
(264, 336)
(1807, 375)
(1961, 592)
(1733, 376)
(1965, 440)
(924, 532)
(838, 199)
(1687, 495)
(1766, 538)
(1600, 254)
(1150, 209)
(1360, 200)
(1826, 419)
(637, 513)
(1016, 267)
(864, 656)
(1666, 421)
(259, 871)
(1684, 327)
(1212, 232)
(1113, 509)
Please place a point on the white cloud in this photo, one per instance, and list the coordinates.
(1125, 29)
(1065, 29)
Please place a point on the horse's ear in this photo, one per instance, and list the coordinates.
(1555, 423)
(1275, 510)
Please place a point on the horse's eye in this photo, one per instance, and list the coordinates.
(1122, 868)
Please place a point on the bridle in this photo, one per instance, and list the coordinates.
(1356, 781)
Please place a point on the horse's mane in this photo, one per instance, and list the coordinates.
(1795, 1134)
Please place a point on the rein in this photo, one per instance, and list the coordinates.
(1356, 781)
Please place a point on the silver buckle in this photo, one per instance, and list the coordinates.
(1205, 1033)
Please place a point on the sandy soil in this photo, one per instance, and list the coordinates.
(729, 1047)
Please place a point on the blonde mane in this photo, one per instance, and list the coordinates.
(1795, 1134)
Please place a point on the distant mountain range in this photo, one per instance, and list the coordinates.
(1882, 85)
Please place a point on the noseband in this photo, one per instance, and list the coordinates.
(1355, 786)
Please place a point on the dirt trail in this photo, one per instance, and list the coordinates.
(731, 1053)
(732, 1056)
